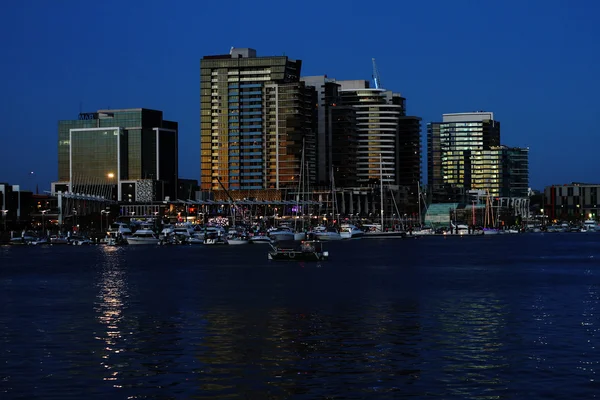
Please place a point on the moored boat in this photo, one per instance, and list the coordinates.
(349, 231)
(291, 250)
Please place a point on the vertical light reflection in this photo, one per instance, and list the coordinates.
(588, 362)
(470, 340)
(109, 308)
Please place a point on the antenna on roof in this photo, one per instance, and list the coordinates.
(231, 50)
(376, 78)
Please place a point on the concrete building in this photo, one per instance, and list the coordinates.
(573, 201)
(123, 155)
(13, 204)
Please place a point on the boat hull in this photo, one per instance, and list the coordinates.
(237, 241)
(297, 256)
(143, 241)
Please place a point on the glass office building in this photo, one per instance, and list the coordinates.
(117, 150)
(453, 146)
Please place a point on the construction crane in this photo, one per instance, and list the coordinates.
(376, 78)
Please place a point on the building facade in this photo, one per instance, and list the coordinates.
(256, 117)
(573, 201)
(377, 114)
(124, 155)
(453, 146)
(327, 132)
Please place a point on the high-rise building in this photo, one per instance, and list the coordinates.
(377, 128)
(408, 157)
(328, 114)
(452, 149)
(290, 126)
(256, 117)
(126, 155)
(343, 146)
(517, 171)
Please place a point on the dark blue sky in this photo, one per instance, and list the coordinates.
(534, 63)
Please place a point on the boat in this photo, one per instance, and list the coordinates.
(40, 241)
(144, 235)
(489, 220)
(349, 231)
(256, 239)
(59, 239)
(25, 238)
(326, 233)
(291, 250)
(237, 240)
(215, 235)
(589, 225)
(77, 240)
(282, 234)
(196, 238)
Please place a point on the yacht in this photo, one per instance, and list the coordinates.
(59, 239)
(590, 225)
(329, 233)
(144, 235)
(260, 238)
(25, 238)
(349, 231)
(282, 233)
(215, 235)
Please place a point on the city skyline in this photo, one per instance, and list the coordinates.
(493, 58)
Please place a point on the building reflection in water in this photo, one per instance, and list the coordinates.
(289, 351)
(109, 307)
(470, 329)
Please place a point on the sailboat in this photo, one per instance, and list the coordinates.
(331, 232)
(489, 218)
(300, 234)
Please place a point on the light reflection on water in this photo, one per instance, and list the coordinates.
(110, 307)
(203, 323)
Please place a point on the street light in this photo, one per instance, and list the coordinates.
(103, 212)
(4, 212)
(43, 220)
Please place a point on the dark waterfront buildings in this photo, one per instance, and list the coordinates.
(571, 201)
(126, 155)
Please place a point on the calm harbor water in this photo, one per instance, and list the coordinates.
(512, 316)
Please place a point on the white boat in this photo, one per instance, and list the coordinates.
(196, 238)
(25, 238)
(118, 229)
(491, 231)
(590, 225)
(40, 241)
(322, 233)
(77, 240)
(59, 239)
(215, 235)
(237, 240)
(143, 236)
(349, 231)
(281, 234)
(260, 239)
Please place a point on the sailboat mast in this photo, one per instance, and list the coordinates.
(381, 188)
(300, 188)
(419, 201)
